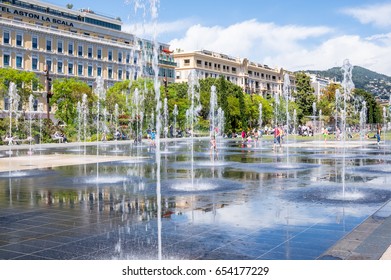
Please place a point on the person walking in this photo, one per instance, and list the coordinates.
(378, 133)
(325, 134)
(277, 137)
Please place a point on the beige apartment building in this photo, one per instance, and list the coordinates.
(35, 35)
(253, 78)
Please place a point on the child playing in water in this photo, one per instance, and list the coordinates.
(213, 146)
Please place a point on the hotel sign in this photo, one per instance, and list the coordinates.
(35, 16)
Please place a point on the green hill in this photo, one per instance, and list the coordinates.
(377, 84)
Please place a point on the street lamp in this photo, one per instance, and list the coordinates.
(49, 94)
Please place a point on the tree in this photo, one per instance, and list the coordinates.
(304, 95)
(118, 94)
(25, 82)
(177, 95)
(374, 111)
(66, 94)
(69, 6)
(326, 102)
(252, 110)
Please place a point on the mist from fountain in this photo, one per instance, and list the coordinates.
(363, 121)
(40, 112)
(286, 92)
(175, 114)
(319, 128)
(84, 115)
(220, 122)
(347, 86)
(14, 100)
(154, 4)
(101, 95)
(337, 100)
(384, 130)
(138, 102)
(31, 113)
(165, 118)
(193, 112)
(212, 111)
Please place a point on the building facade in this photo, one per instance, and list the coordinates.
(35, 36)
(320, 84)
(253, 78)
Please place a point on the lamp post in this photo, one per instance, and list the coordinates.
(48, 83)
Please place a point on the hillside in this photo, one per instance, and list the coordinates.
(377, 84)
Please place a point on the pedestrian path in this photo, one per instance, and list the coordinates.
(368, 241)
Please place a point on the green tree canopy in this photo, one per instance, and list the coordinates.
(374, 111)
(304, 95)
(25, 82)
(66, 94)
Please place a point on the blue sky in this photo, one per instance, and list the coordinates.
(295, 35)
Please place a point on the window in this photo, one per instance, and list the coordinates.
(70, 68)
(49, 64)
(99, 71)
(6, 37)
(34, 63)
(35, 43)
(127, 58)
(89, 70)
(119, 56)
(80, 50)
(89, 52)
(6, 103)
(187, 62)
(127, 75)
(19, 61)
(70, 48)
(19, 40)
(110, 56)
(119, 74)
(49, 45)
(59, 46)
(59, 66)
(99, 55)
(6, 60)
(80, 69)
(110, 73)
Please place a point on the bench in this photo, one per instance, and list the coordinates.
(16, 140)
(58, 137)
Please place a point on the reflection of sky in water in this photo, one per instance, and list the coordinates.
(272, 212)
(244, 203)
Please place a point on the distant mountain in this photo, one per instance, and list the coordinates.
(377, 84)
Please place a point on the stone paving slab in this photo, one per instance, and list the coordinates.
(369, 241)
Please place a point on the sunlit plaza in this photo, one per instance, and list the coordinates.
(246, 202)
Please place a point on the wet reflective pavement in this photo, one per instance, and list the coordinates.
(246, 202)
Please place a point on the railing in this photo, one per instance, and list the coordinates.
(165, 62)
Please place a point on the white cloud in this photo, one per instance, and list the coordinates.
(379, 15)
(332, 52)
(291, 47)
(246, 38)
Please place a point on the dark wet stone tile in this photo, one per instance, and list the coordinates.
(8, 255)
(56, 255)
(21, 248)
(41, 243)
(31, 257)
